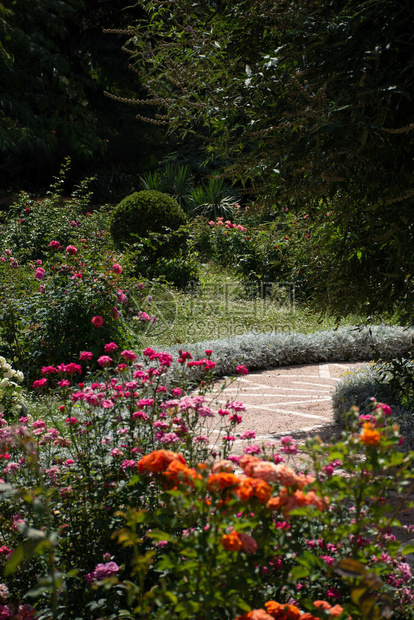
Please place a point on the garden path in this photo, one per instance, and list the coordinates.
(290, 400)
(296, 401)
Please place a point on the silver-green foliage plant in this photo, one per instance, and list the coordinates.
(273, 349)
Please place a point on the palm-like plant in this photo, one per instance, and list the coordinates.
(213, 199)
(172, 179)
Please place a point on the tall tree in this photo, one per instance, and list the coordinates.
(312, 100)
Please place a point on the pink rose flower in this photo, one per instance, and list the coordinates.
(98, 321)
(71, 249)
(55, 245)
(110, 347)
(117, 268)
(104, 360)
(241, 370)
(129, 355)
(86, 356)
(39, 383)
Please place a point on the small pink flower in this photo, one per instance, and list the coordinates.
(48, 370)
(41, 288)
(63, 383)
(98, 321)
(115, 313)
(143, 316)
(116, 452)
(86, 356)
(110, 347)
(248, 435)
(242, 370)
(104, 360)
(39, 273)
(117, 268)
(71, 249)
(386, 409)
(39, 383)
(129, 355)
(72, 420)
(55, 245)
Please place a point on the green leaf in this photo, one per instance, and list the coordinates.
(160, 535)
(298, 572)
(350, 568)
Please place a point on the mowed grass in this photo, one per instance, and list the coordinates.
(219, 308)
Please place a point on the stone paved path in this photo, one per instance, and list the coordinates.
(289, 400)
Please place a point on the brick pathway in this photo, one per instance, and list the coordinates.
(291, 400)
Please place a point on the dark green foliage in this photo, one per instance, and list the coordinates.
(181, 270)
(142, 213)
(310, 103)
(55, 65)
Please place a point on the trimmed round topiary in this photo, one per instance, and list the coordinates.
(142, 213)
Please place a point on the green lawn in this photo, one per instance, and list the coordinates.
(218, 308)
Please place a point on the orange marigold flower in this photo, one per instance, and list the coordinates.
(158, 461)
(288, 502)
(231, 541)
(283, 612)
(245, 490)
(322, 604)
(302, 480)
(255, 614)
(178, 472)
(261, 490)
(276, 503)
(334, 611)
(222, 481)
(370, 436)
(253, 487)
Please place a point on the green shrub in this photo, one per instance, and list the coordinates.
(179, 270)
(144, 212)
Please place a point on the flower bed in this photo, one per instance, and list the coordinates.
(115, 504)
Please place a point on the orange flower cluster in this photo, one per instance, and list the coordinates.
(278, 611)
(250, 488)
(235, 541)
(256, 468)
(158, 461)
(244, 487)
(290, 501)
(231, 541)
(334, 611)
(177, 472)
(282, 612)
(370, 436)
